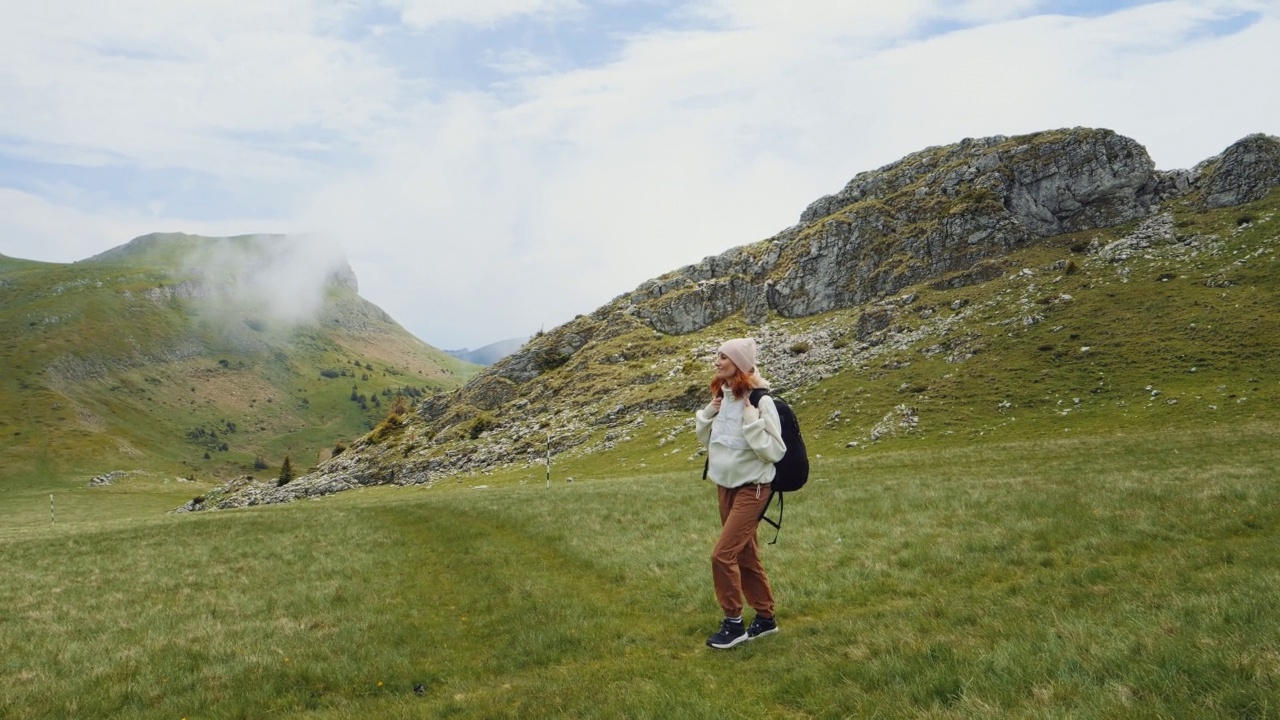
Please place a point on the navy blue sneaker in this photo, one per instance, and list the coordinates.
(731, 633)
(761, 626)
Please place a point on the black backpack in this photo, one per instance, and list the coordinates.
(792, 471)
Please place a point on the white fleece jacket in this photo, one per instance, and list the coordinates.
(738, 452)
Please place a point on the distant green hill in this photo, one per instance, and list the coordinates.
(197, 356)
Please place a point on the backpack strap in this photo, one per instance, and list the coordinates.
(776, 525)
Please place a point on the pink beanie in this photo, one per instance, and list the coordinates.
(742, 351)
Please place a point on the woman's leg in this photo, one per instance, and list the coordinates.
(755, 584)
(735, 561)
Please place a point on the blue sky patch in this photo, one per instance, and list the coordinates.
(179, 192)
(1223, 27)
(454, 56)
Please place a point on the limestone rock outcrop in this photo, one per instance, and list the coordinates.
(934, 212)
(1244, 172)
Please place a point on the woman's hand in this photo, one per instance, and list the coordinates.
(714, 407)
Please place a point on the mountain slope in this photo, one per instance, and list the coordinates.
(197, 356)
(1000, 288)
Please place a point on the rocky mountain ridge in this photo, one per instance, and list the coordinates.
(946, 216)
(943, 210)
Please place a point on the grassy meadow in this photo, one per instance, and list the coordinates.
(1132, 574)
(1083, 525)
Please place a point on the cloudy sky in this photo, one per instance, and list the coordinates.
(492, 167)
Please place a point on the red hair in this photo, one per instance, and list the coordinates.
(740, 384)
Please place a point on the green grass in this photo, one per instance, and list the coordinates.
(1120, 574)
(1067, 533)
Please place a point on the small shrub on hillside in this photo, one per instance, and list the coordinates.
(338, 448)
(389, 425)
(549, 359)
(205, 438)
(479, 424)
(1244, 220)
(1071, 267)
(259, 463)
(286, 472)
(800, 348)
(330, 373)
(394, 420)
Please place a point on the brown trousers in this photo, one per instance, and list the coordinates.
(735, 563)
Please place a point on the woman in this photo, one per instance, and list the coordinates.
(743, 442)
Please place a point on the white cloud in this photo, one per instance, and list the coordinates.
(236, 89)
(281, 279)
(1135, 72)
(488, 212)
